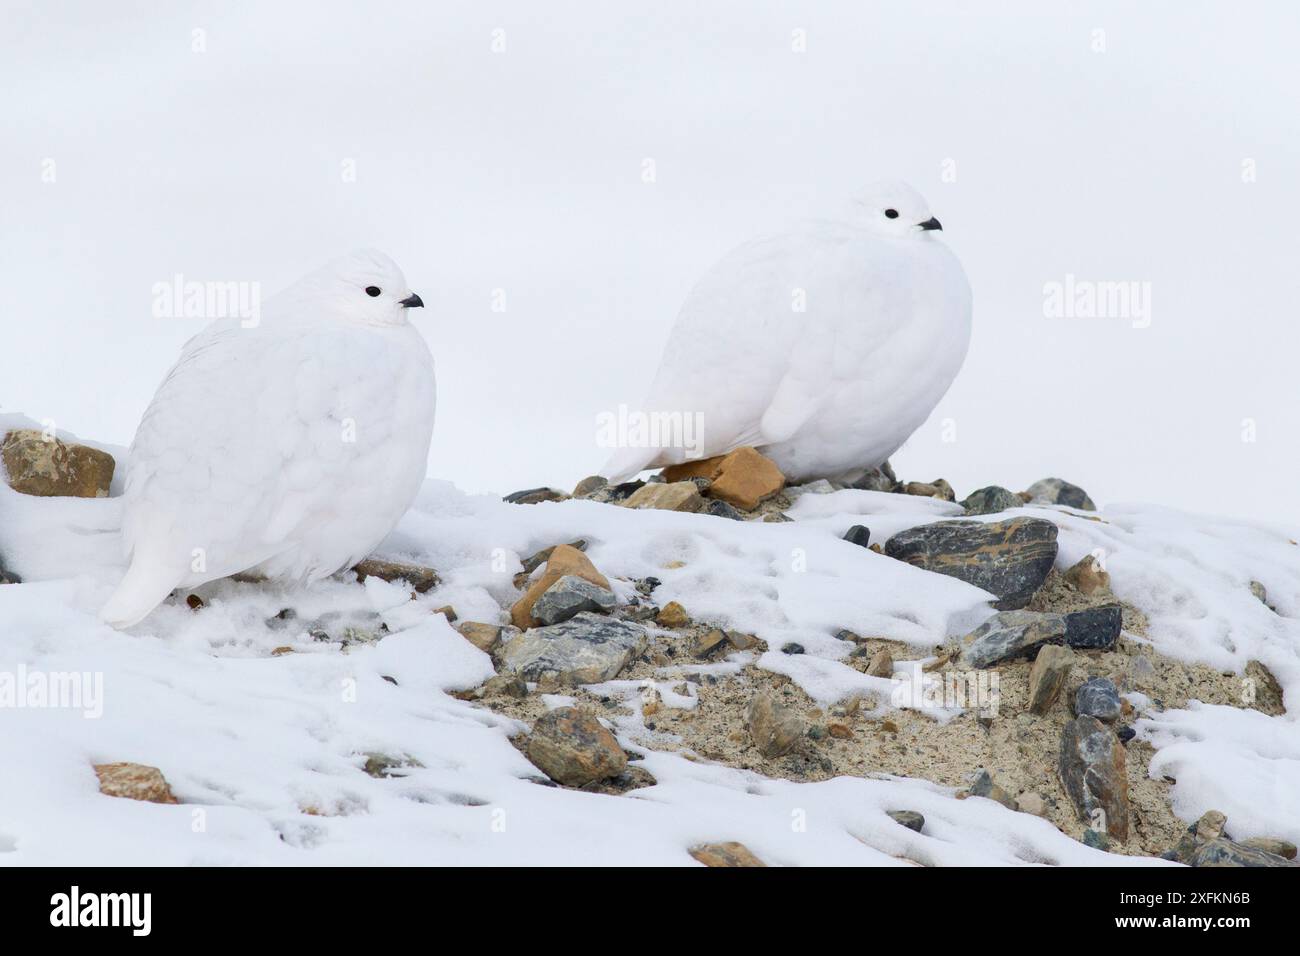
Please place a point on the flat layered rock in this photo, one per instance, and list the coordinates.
(1009, 559)
(587, 649)
(419, 577)
(1047, 677)
(1015, 634)
(570, 596)
(1094, 775)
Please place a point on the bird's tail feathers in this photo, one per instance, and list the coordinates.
(628, 462)
(143, 588)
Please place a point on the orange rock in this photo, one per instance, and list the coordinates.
(133, 781)
(725, 854)
(742, 478)
(563, 560)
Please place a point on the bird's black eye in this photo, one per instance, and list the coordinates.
(891, 213)
(374, 290)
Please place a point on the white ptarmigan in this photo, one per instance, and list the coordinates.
(824, 347)
(287, 448)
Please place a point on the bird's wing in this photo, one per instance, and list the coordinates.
(765, 335)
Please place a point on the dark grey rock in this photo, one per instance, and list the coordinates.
(1228, 853)
(1098, 697)
(1054, 491)
(1096, 628)
(1009, 559)
(877, 479)
(991, 500)
(1094, 775)
(1125, 734)
(859, 535)
(532, 496)
(587, 649)
(984, 786)
(908, 818)
(7, 576)
(1011, 635)
(623, 491)
(569, 596)
(1096, 839)
(792, 648)
(720, 509)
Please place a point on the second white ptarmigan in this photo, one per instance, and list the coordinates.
(824, 347)
(289, 447)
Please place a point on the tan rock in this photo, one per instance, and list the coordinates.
(742, 478)
(939, 488)
(665, 496)
(574, 748)
(840, 729)
(742, 641)
(672, 615)
(564, 560)
(483, 636)
(48, 467)
(134, 781)
(882, 664)
(709, 642)
(1032, 803)
(420, 578)
(1047, 676)
(725, 855)
(773, 728)
(1088, 576)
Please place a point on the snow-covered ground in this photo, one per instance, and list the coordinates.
(265, 752)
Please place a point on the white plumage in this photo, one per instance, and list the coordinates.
(289, 448)
(824, 347)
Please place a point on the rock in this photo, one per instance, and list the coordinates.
(563, 561)
(1009, 559)
(672, 615)
(1264, 688)
(1094, 775)
(1125, 734)
(939, 488)
(1088, 576)
(1047, 677)
(590, 486)
(571, 595)
(48, 467)
(858, 535)
(509, 685)
(1095, 628)
(1098, 697)
(134, 781)
(709, 642)
(586, 649)
(534, 496)
(725, 855)
(991, 500)
(624, 490)
(876, 479)
(1282, 848)
(573, 748)
(792, 648)
(536, 560)
(1227, 853)
(667, 496)
(1032, 803)
(486, 637)
(420, 578)
(839, 728)
(1054, 491)
(1096, 840)
(742, 478)
(382, 766)
(881, 664)
(720, 509)
(741, 641)
(908, 818)
(773, 728)
(1009, 635)
(7, 576)
(984, 786)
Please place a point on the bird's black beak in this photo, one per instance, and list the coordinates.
(412, 301)
(931, 223)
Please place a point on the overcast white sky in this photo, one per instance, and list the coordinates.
(521, 170)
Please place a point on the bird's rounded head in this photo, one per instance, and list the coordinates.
(366, 287)
(896, 210)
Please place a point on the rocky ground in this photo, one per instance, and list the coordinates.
(1052, 684)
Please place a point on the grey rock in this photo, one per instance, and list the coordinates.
(792, 648)
(7, 576)
(991, 500)
(908, 818)
(876, 479)
(1010, 635)
(569, 596)
(587, 649)
(590, 487)
(1054, 491)
(533, 496)
(984, 786)
(1009, 559)
(859, 535)
(1096, 839)
(720, 509)
(1096, 628)
(1227, 853)
(1094, 775)
(1283, 848)
(1098, 697)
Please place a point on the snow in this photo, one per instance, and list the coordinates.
(265, 752)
